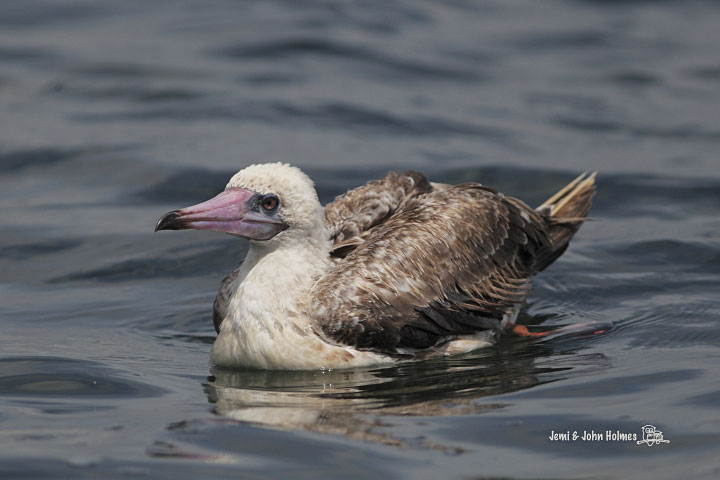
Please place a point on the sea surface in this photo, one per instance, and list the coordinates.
(115, 112)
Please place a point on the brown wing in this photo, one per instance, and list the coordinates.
(451, 262)
(222, 299)
(351, 216)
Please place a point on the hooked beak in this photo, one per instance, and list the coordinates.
(235, 211)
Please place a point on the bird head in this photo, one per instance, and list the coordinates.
(260, 203)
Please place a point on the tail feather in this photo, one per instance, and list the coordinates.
(565, 213)
(573, 201)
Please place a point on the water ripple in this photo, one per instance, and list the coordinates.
(209, 260)
(333, 115)
(403, 69)
(64, 377)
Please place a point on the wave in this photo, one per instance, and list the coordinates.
(362, 57)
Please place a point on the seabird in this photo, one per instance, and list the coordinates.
(395, 269)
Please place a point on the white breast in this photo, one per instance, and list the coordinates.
(267, 325)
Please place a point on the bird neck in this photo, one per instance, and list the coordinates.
(274, 279)
(267, 312)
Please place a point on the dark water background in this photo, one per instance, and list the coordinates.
(112, 113)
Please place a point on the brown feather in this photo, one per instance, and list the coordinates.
(351, 215)
(222, 299)
(449, 262)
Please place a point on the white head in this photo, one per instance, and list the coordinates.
(268, 203)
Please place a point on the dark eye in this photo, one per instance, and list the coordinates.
(270, 202)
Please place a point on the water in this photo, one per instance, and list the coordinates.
(113, 113)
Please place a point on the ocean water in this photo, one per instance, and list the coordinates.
(113, 113)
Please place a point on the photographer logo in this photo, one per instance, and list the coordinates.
(651, 436)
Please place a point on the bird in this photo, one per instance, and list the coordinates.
(397, 269)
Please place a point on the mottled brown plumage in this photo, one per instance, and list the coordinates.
(352, 215)
(223, 298)
(427, 265)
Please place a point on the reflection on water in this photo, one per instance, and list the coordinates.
(351, 402)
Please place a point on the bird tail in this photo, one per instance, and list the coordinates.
(565, 213)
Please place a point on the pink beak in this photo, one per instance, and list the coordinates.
(236, 211)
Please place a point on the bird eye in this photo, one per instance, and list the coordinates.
(270, 202)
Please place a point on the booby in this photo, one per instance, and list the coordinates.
(395, 269)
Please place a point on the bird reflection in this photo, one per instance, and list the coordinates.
(359, 403)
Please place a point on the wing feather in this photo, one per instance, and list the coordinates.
(222, 299)
(352, 215)
(448, 262)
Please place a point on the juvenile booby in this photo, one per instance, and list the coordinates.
(397, 268)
